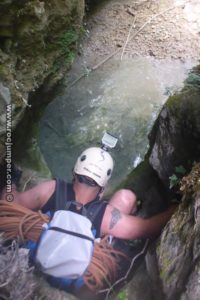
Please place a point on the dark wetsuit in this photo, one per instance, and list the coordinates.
(62, 197)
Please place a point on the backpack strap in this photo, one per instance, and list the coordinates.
(61, 193)
(90, 212)
(80, 235)
(94, 209)
(65, 191)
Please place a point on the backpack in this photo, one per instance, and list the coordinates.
(66, 245)
(63, 239)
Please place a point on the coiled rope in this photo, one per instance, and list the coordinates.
(20, 222)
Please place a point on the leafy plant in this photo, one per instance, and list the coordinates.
(67, 39)
(66, 45)
(175, 179)
(180, 170)
(122, 295)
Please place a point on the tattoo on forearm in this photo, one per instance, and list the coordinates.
(115, 217)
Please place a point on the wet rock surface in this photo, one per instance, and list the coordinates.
(36, 45)
(172, 263)
(175, 138)
(178, 251)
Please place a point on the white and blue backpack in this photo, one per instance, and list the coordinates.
(65, 248)
(66, 245)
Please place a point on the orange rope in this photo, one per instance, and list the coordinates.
(18, 221)
(104, 265)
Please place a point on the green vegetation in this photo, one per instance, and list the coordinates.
(4, 72)
(67, 39)
(175, 178)
(174, 104)
(192, 86)
(66, 45)
(122, 295)
(193, 79)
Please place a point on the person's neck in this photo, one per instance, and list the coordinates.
(83, 193)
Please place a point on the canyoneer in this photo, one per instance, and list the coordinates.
(84, 197)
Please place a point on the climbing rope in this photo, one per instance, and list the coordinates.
(104, 265)
(20, 222)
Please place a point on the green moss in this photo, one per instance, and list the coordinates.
(25, 147)
(173, 102)
(193, 79)
(65, 45)
(197, 187)
(4, 72)
(165, 263)
(25, 29)
(122, 295)
(67, 39)
(6, 32)
(194, 112)
(190, 94)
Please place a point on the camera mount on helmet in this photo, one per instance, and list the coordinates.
(108, 141)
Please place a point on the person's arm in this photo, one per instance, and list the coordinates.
(125, 226)
(34, 198)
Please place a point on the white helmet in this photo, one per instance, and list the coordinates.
(95, 163)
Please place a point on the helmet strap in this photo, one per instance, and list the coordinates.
(100, 191)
